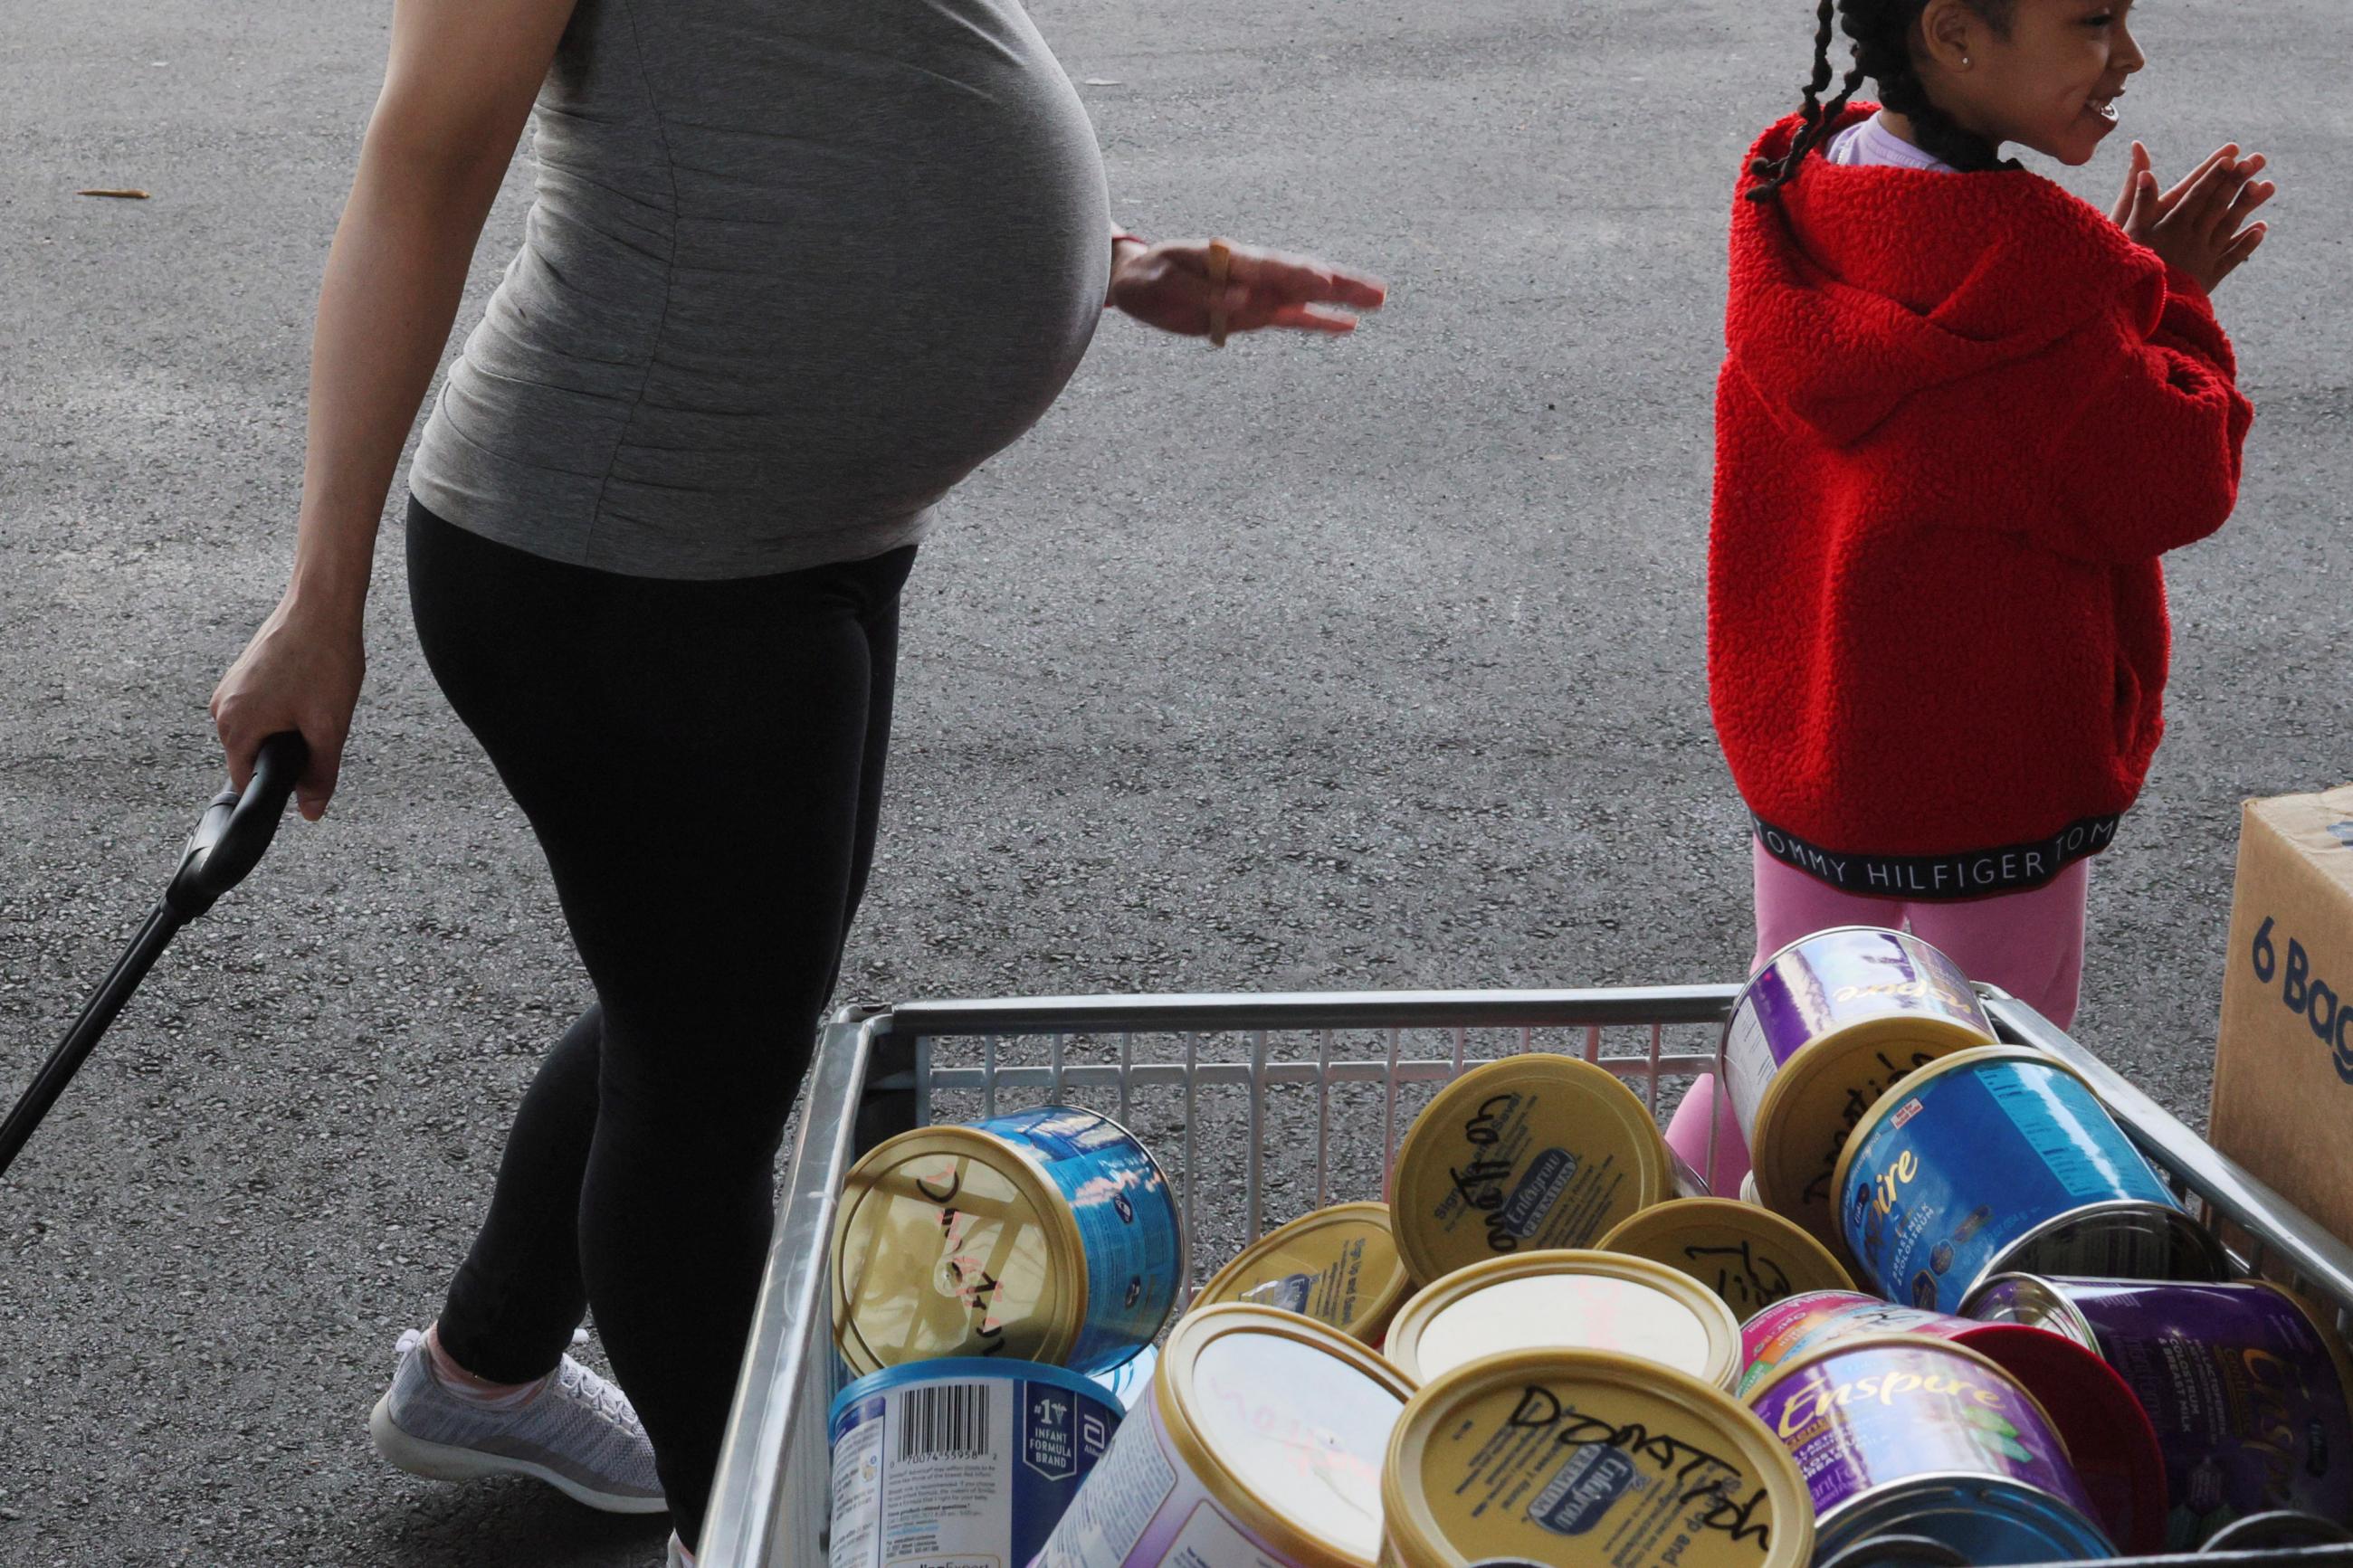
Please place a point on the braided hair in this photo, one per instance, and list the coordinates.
(1882, 33)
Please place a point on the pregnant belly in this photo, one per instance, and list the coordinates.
(893, 330)
(866, 253)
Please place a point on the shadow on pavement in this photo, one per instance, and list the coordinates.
(504, 1525)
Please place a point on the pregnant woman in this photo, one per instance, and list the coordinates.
(793, 270)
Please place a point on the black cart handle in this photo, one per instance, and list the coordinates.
(236, 828)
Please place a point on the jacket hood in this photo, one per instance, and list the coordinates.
(1860, 286)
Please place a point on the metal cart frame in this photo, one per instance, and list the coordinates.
(874, 1075)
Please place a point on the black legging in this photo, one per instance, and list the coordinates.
(702, 764)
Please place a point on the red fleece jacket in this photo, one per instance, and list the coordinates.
(1961, 417)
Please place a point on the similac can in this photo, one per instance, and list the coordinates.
(1568, 1300)
(975, 1458)
(1998, 1159)
(1895, 1551)
(1048, 1236)
(2247, 1391)
(2092, 1409)
(1530, 1152)
(1823, 1029)
(2283, 1531)
(1338, 1266)
(1131, 1380)
(1898, 1435)
(1259, 1446)
(1750, 1257)
(1586, 1459)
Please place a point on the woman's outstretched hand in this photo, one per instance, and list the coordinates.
(1171, 286)
(2200, 225)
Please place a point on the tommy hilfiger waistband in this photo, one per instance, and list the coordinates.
(1970, 874)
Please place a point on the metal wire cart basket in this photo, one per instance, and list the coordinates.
(1263, 1107)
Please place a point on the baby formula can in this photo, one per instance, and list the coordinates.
(1131, 1380)
(1047, 1235)
(1259, 1446)
(1998, 1159)
(1819, 1033)
(1577, 1457)
(2092, 1408)
(1527, 1153)
(1568, 1300)
(2283, 1531)
(2248, 1392)
(1898, 1435)
(1338, 1266)
(1895, 1551)
(965, 1459)
(1750, 1257)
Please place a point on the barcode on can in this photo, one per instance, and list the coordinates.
(950, 1421)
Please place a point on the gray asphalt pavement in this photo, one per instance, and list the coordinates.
(1373, 663)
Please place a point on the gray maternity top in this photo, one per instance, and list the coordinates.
(795, 267)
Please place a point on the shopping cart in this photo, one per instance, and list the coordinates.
(1262, 1107)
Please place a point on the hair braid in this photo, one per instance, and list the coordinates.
(1812, 115)
(1881, 31)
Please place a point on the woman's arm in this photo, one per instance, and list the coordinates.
(1125, 247)
(458, 88)
(1171, 286)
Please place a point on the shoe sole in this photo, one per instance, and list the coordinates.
(444, 1462)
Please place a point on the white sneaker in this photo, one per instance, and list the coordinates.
(577, 1433)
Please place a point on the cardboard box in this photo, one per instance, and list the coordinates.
(2283, 1066)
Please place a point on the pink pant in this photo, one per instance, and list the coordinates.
(2030, 944)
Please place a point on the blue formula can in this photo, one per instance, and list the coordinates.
(1993, 1160)
(1047, 1236)
(961, 1461)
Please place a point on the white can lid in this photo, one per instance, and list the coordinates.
(1586, 1312)
(1298, 1428)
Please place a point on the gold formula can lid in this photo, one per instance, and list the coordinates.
(1749, 1256)
(1573, 1458)
(951, 1242)
(1813, 1110)
(1568, 1300)
(1338, 1265)
(1284, 1420)
(1529, 1152)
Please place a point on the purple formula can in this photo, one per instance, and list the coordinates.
(1819, 1033)
(2248, 1394)
(1902, 1435)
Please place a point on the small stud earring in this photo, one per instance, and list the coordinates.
(1967, 62)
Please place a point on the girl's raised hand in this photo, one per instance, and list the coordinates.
(1172, 287)
(2200, 225)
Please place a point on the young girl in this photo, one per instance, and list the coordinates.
(1962, 416)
